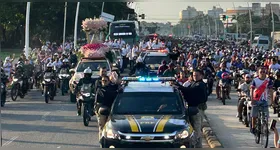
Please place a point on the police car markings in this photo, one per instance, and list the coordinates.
(162, 123)
(177, 122)
(137, 123)
(157, 123)
(132, 123)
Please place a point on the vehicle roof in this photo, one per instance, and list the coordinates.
(156, 54)
(148, 87)
(94, 60)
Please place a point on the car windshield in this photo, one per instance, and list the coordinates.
(94, 66)
(155, 59)
(147, 103)
(263, 41)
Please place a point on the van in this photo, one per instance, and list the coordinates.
(261, 41)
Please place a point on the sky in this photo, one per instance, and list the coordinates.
(169, 11)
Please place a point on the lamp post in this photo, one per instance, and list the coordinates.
(76, 25)
(27, 30)
(64, 28)
(272, 16)
(251, 26)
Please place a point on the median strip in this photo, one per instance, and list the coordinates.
(209, 134)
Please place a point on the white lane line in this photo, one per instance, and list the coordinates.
(59, 147)
(10, 141)
(45, 115)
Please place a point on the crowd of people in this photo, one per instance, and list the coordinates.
(190, 61)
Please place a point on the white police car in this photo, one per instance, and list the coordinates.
(153, 59)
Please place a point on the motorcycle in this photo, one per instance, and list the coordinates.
(85, 103)
(224, 90)
(17, 89)
(244, 100)
(64, 78)
(3, 94)
(248, 115)
(277, 101)
(236, 78)
(48, 84)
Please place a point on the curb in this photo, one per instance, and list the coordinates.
(209, 134)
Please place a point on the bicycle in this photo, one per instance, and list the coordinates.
(262, 132)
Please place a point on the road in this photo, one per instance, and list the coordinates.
(31, 123)
(230, 132)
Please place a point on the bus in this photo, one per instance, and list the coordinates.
(125, 29)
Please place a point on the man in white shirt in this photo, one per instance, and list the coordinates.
(124, 52)
(274, 66)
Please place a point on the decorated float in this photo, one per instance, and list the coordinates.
(94, 30)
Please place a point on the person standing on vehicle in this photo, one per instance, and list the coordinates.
(196, 97)
(104, 98)
(261, 92)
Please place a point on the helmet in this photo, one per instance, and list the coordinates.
(55, 54)
(65, 60)
(277, 73)
(49, 65)
(88, 71)
(225, 75)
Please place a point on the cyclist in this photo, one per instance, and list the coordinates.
(261, 92)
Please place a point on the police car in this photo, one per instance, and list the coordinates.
(148, 113)
(153, 59)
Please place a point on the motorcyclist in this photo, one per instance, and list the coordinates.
(4, 80)
(85, 80)
(276, 85)
(50, 73)
(219, 77)
(244, 92)
(140, 68)
(65, 64)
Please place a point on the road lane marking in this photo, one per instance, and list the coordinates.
(59, 147)
(10, 141)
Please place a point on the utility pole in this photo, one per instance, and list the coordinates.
(272, 17)
(263, 11)
(64, 28)
(76, 25)
(27, 30)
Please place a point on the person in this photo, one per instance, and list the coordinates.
(276, 138)
(261, 91)
(162, 68)
(196, 97)
(244, 91)
(7, 66)
(170, 72)
(124, 52)
(104, 98)
(131, 56)
(85, 80)
(219, 77)
(190, 80)
(276, 85)
(102, 72)
(73, 58)
(274, 66)
(140, 68)
(50, 73)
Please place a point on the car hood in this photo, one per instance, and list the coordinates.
(147, 124)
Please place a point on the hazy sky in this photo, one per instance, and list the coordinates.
(169, 11)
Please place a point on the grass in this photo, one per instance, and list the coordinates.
(7, 52)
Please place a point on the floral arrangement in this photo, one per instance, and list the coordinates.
(96, 50)
(94, 25)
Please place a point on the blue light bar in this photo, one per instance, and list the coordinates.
(149, 79)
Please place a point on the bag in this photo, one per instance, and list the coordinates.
(258, 93)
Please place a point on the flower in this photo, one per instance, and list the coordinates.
(94, 50)
(94, 25)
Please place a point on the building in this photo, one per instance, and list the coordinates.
(275, 9)
(215, 12)
(257, 9)
(189, 13)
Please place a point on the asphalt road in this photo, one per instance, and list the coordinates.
(31, 123)
(230, 132)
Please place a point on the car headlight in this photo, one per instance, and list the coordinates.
(86, 94)
(47, 80)
(15, 80)
(111, 134)
(184, 134)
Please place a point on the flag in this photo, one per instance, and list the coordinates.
(131, 5)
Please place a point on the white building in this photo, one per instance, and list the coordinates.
(189, 13)
(215, 12)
